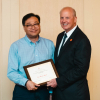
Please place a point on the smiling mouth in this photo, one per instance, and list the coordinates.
(65, 24)
(33, 31)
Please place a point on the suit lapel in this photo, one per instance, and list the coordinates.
(57, 44)
(59, 41)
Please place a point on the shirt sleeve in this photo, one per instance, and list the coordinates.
(13, 67)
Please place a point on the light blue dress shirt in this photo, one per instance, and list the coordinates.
(24, 52)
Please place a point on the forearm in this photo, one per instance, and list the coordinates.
(17, 78)
(70, 77)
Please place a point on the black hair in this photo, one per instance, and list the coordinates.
(28, 16)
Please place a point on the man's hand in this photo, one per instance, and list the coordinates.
(31, 85)
(52, 83)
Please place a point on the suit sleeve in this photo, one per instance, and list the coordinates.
(81, 65)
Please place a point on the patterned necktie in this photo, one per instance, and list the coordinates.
(65, 36)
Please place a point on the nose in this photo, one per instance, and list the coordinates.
(64, 20)
(32, 26)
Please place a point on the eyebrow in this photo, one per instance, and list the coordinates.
(34, 22)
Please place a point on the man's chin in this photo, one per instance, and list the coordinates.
(36, 36)
(65, 27)
(33, 36)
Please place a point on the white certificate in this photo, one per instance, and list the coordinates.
(41, 72)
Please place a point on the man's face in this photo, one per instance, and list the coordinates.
(67, 19)
(32, 27)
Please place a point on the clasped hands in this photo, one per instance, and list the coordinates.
(33, 86)
(52, 83)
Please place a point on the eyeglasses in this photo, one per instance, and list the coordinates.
(30, 26)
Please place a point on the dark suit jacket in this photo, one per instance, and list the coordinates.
(72, 65)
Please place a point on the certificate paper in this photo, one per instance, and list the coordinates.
(41, 72)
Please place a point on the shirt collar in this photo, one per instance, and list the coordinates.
(28, 40)
(70, 32)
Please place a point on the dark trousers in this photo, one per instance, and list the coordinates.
(21, 93)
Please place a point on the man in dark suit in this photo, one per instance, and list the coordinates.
(72, 58)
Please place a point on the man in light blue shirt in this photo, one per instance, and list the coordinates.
(29, 50)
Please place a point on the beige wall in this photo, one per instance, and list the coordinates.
(11, 13)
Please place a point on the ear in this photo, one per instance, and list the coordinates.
(75, 19)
